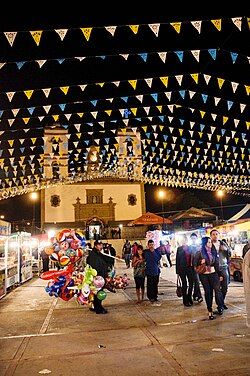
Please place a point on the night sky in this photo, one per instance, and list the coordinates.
(72, 73)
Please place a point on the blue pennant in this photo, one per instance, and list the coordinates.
(229, 104)
(202, 126)
(182, 93)
(155, 97)
(144, 56)
(94, 102)
(31, 110)
(182, 121)
(125, 99)
(161, 118)
(1, 112)
(60, 61)
(234, 56)
(217, 146)
(62, 106)
(204, 97)
(148, 135)
(165, 136)
(22, 150)
(212, 52)
(223, 131)
(180, 55)
(103, 57)
(107, 140)
(20, 64)
(184, 141)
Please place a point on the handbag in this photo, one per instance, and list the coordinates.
(179, 287)
(200, 269)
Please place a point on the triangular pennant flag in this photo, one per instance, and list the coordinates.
(47, 108)
(46, 92)
(61, 33)
(179, 78)
(163, 56)
(139, 97)
(180, 55)
(10, 95)
(242, 107)
(195, 77)
(20, 64)
(247, 89)
(125, 56)
(234, 86)
(216, 100)
(217, 24)
(36, 35)
(164, 80)
(86, 32)
(146, 110)
(64, 89)
(204, 97)
(197, 25)
(108, 112)
(213, 52)
(28, 93)
(149, 81)
(220, 82)
(111, 29)
(134, 28)
(207, 78)
(10, 35)
(155, 28)
(1, 65)
(41, 62)
(234, 56)
(176, 26)
(196, 54)
(191, 94)
(26, 120)
(133, 83)
(168, 95)
(237, 22)
(134, 110)
(55, 117)
(229, 104)
(15, 111)
(144, 56)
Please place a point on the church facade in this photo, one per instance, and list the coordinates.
(97, 206)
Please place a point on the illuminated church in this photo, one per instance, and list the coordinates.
(95, 204)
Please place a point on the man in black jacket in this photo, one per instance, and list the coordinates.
(98, 261)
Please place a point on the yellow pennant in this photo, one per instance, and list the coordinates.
(195, 76)
(134, 28)
(236, 140)
(133, 83)
(80, 114)
(217, 24)
(78, 135)
(28, 93)
(225, 119)
(164, 80)
(197, 150)
(26, 120)
(220, 82)
(159, 108)
(176, 26)
(108, 112)
(33, 140)
(55, 117)
(248, 125)
(202, 113)
(145, 128)
(242, 156)
(134, 110)
(181, 147)
(200, 134)
(161, 127)
(64, 89)
(181, 131)
(36, 35)
(213, 152)
(247, 89)
(248, 20)
(100, 83)
(86, 32)
(228, 154)
(11, 142)
(218, 137)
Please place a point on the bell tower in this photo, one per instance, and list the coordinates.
(129, 153)
(55, 152)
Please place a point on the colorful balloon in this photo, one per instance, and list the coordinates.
(101, 295)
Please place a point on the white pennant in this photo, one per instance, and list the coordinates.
(170, 118)
(191, 94)
(234, 86)
(213, 129)
(15, 111)
(216, 100)
(10, 35)
(77, 126)
(40, 118)
(125, 56)
(11, 121)
(111, 29)
(125, 121)
(197, 25)
(171, 129)
(61, 33)
(67, 116)
(146, 110)
(1, 65)
(179, 78)
(208, 145)
(207, 78)
(237, 21)
(116, 83)
(121, 111)
(101, 123)
(163, 56)
(140, 97)
(242, 107)
(236, 122)
(10, 95)
(82, 87)
(171, 107)
(155, 28)
(168, 95)
(46, 92)
(80, 58)
(196, 54)
(47, 108)
(214, 116)
(94, 114)
(192, 141)
(149, 81)
(41, 62)
(192, 123)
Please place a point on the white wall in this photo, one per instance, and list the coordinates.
(69, 193)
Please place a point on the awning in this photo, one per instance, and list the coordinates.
(149, 219)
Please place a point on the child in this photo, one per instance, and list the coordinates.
(138, 263)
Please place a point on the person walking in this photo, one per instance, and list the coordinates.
(184, 269)
(224, 253)
(139, 264)
(210, 277)
(194, 247)
(98, 261)
(126, 252)
(152, 258)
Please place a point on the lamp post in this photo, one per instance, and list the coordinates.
(34, 197)
(220, 194)
(161, 195)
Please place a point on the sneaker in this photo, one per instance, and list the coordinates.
(200, 300)
(210, 316)
(219, 311)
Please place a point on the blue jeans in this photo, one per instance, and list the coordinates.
(225, 282)
(210, 283)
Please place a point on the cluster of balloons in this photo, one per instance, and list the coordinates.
(68, 247)
(118, 282)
